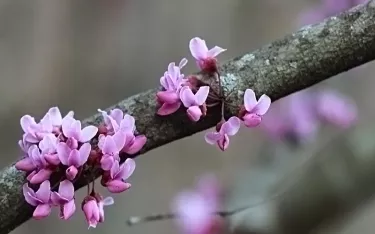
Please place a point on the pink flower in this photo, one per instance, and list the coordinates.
(111, 147)
(48, 146)
(72, 129)
(73, 158)
(34, 132)
(196, 209)
(91, 210)
(254, 110)
(40, 199)
(226, 129)
(65, 199)
(336, 109)
(206, 59)
(37, 163)
(194, 102)
(119, 174)
(172, 82)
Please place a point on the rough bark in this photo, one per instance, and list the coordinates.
(284, 66)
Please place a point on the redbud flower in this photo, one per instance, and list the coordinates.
(172, 81)
(34, 132)
(206, 59)
(254, 110)
(111, 147)
(336, 108)
(196, 209)
(91, 210)
(65, 199)
(40, 199)
(101, 203)
(48, 146)
(73, 158)
(72, 129)
(119, 174)
(194, 102)
(37, 163)
(224, 130)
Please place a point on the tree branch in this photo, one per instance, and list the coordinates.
(295, 62)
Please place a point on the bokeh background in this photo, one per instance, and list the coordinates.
(88, 54)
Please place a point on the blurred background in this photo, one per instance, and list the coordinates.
(85, 55)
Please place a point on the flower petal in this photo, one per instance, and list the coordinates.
(137, 145)
(263, 105)
(215, 51)
(127, 168)
(117, 186)
(231, 126)
(84, 153)
(202, 95)
(119, 138)
(198, 48)
(27, 121)
(44, 192)
(74, 158)
(41, 176)
(167, 109)
(42, 211)
(250, 100)
(29, 195)
(63, 152)
(25, 164)
(66, 189)
(88, 133)
(109, 146)
(68, 209)
(55, 115)
(212, 137)
(187, 97)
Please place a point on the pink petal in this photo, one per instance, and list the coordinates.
(223, 143)
(212, 137)
(29, 195)
(71, 172)
(127, 169)
(182, 63)
(263, 105)
(109, 146)
(27, 121)
(231, 126)
(46, 123)
(198, 48)
(41, 176)
(63, 152)
(115, 169)
(138, 143)
(167, 109)
(55, 115)
(215, 51)
(117, 115)
(42, 211)
(52, 159)
(44, 192)
(107, 162)
(67, 126)
(202, 95)
(252, 120)
(117, 186)
(88, 133)
(57, 200)
(25, 164)
(119, 138)
(194, 113)
(68, 209)
(169, 97)
(187, 97)
(74, 158)
(84, 153)
(250, 100)
(127, 124)
(66, 189)
(89, 209)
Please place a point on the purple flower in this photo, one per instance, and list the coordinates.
(101, 203)
(196, 208)
(205, 58)
(73, 158)
(65, 199)
(111, 147)
(119, 174)
(224, 130)
(254, 110)
(195, 101)
(72, 129)
(40, 199)
(336, 108)
(93, 208)
(172, 82)
(34, 132)
(48, 146)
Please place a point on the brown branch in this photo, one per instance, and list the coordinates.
(295, 62)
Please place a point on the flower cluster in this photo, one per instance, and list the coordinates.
(59, 144)
(298, 116)
(194, 94)
(197, 209)
(326, 9)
